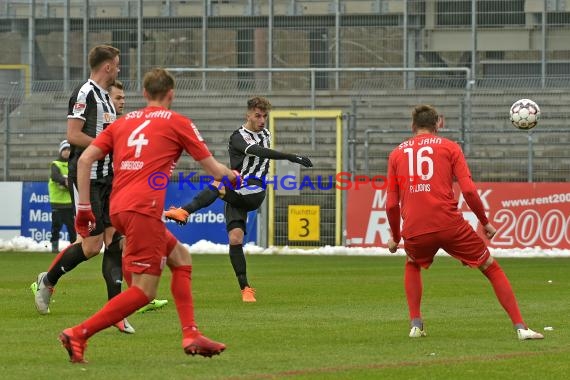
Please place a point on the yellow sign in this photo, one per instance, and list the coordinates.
(304, 223)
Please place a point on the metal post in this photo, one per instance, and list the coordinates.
(6, 138)
(337, 43)
(85, 37)
(139, 43)
(543, 50)
(405, 44)
(473, 38)
(352, 137)
(205, 41)
(530, 157)
(313, 105)
(7, 102)
(32, 39)
(270, 44)
(66, 17)
(346, 146)
(366, 147)
(467, 127)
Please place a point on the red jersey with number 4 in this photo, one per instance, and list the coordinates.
(146, 146)
(426, 200)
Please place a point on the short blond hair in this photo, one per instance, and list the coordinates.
(157, 82)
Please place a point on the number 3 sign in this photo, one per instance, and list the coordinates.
(304, 223)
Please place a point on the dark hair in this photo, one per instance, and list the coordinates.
(258, 102)
(425, 117)
(157, 82)
(117, 84)
(100, 54)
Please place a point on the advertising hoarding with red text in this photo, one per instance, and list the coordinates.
(525, 215)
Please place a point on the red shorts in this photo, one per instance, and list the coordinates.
(148, 242)
(461, 242)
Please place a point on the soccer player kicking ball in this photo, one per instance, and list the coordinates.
(431, 219)
(249, 156)
(143, 143)
(117, 94)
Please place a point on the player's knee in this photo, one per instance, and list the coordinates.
(179, 256)
(235, 236)
(486, 264)
(92, 246)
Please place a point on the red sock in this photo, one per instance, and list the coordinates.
(414, 288)
(58, 256)
(117, 308)
(504, 292)
(181, 289)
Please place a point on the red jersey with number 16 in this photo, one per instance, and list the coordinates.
(146, 146)
(427, 202)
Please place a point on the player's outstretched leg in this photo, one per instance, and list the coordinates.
(506, 297)
(204, 198)
(116, 309)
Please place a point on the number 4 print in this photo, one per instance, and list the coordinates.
(139, 140)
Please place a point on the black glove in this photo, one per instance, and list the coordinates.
(301, 160)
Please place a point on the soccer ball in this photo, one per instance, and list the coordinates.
(525, 114)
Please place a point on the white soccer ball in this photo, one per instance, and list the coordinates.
(525, 114)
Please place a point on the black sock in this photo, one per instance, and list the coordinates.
(204, 198)
(112, 267)
(237, 258)
(72, 257)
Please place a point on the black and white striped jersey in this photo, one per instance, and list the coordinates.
(92, 104)
(249, 165)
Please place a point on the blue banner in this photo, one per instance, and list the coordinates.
(206, 224)
(36, 212)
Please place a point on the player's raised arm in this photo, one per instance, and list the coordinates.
(262, 152)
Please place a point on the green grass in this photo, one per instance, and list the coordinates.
(317, 317)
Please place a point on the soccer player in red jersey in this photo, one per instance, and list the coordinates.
(431, 219)
(146, 144)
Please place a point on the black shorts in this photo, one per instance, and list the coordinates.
(100, 194)
(238, 204)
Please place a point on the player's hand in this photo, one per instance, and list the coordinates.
(237, 182)
(490, 231)
(84, 220)
(392, 246)
(301, 160)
